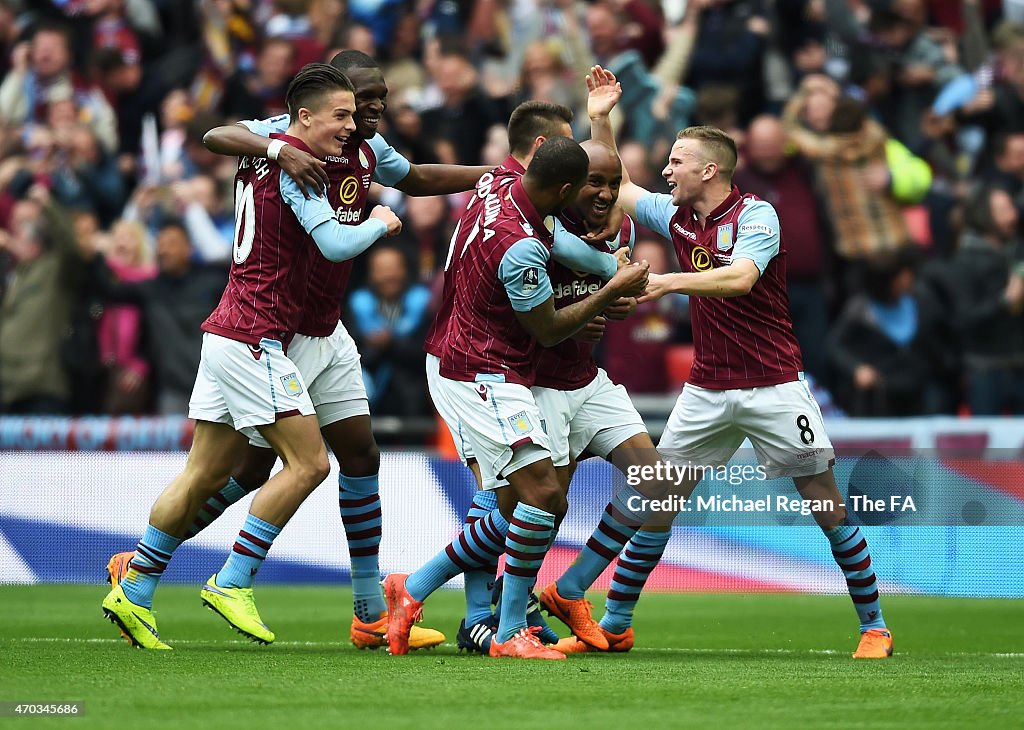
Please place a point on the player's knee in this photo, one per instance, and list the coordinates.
(361, 461)
(311, 471)
(828, 519)
(544, 490)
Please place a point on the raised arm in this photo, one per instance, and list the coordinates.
(604, 93)
(237, 140)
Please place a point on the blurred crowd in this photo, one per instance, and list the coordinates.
(889, 135)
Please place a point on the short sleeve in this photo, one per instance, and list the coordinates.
(392, 167)
(655, 211)
(632, 235)
(757, 234)
(310, 212)
(523, 271)
(267, 127)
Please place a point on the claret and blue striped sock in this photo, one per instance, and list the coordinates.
(248, 553)
(526, 544)
(612, 533)
(635, 565)
(479, 544)
(480, 581)
(151, 557)
(359, 501)
(216, 505)
(850, 551)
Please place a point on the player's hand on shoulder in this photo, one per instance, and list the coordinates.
(308, 172)
(611, 227)
(631, 281)
(603, 92)
(592, 331)
(621, 308)
(384, 213)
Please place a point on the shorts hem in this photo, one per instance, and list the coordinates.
(622, 434)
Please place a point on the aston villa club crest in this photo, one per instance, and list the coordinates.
(725, 237)
(291, 383)
(520, 423)
(363, 161)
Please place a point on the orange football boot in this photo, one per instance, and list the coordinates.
(403, 612)
(576, 614)
(525, 645)
(874, 644)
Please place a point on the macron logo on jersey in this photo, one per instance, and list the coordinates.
(682, 231)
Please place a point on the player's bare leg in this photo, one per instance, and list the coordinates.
(229, 592)
(215, 448)
(850, 551)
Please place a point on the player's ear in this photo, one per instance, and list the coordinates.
(305, 116)
(709, 171)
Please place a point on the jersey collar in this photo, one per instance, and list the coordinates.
(522, 201)
(723, 210)
(293, 141)
(512, 164)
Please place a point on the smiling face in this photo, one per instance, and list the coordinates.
(329, 124)
(687, 171)
(371, 98)
(601, 189)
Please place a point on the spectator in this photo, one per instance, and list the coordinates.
(466, 113)
(132, 90)
(120, 328)
(1008, 168)
(36, 310)
(989, 271)
(259, 93)
(853, 169)
(209, 222)
(389, 318)
(918, 68)
(730, 51)
(42, 73)
(889, 346)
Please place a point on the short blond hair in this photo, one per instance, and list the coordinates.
(718, 147)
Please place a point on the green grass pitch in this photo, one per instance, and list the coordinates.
(731, 660)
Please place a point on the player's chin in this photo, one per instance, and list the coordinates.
(597, 214)
(368, 128)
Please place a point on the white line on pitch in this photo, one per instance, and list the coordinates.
(638, 650)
